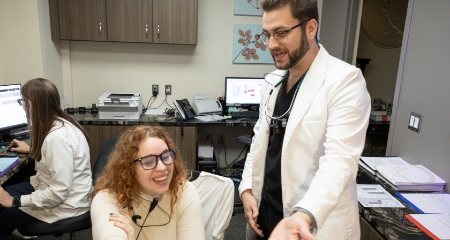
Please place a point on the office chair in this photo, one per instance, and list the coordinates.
(78, 223)
(216, 197)
(247, 141)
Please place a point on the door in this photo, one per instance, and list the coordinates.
(129, 21)
(175, 21)
(83, 20)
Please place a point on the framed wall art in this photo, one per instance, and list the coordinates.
(248, 47)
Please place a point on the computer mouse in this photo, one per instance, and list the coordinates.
(8, 149)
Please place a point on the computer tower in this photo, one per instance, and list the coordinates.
(207, 166)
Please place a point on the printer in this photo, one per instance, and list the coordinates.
(204, 104)
(124, 106)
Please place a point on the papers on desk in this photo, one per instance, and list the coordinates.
(410, 178)
(209, 118)
(437, 226)
(371, 163)
(156, 112)
(427, 202)
(6, 164)
(374, 195)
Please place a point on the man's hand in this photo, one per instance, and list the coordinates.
(20, 146)
(251, 210)
(5, 198)
(293, 227)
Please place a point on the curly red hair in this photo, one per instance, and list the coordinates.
(118, 176)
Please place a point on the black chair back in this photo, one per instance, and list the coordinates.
(103, 157)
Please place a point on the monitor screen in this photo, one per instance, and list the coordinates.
(243, 91)
(12, 114)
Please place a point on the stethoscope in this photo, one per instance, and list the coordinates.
(281, 121)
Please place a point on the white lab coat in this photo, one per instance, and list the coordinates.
(324, 139)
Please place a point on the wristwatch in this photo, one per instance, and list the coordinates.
(313, 225)
(16, 202)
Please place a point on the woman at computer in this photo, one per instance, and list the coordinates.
(63, 181)
(144, 193)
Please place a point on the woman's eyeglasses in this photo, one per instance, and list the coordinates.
(21, 101)
(151, 161)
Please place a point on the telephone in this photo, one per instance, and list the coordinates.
(185, 109)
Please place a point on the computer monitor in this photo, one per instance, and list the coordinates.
(243, 92)
(12, 114)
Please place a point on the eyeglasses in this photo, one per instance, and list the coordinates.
(280, 36)
(151, 161)
(21, 101)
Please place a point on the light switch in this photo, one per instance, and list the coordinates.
(415, 121)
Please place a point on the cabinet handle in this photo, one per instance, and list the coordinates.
(146, 30)
(158, 31)
(100, 29)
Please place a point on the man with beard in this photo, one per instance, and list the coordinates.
(299, 176)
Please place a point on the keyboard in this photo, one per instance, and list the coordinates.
(246, 114)
(5, 144)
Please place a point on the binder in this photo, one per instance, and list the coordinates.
(6, 164)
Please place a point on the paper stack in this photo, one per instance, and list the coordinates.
(371, 163)
(410, 178)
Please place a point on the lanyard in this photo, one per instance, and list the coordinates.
(293, 98)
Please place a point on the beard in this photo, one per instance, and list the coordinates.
(296, 55)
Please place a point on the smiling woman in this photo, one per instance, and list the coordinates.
(144, 191)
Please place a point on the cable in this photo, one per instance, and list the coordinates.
(152, 206)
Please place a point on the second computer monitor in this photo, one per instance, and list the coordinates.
(243, 91)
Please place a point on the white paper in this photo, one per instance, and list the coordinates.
(438, 224)
(208, 118)
(372, 162)
(429, 202)
(374, 195)
(409, 175)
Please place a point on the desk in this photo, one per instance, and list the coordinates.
(23, 160)
(386, 223)
(183, 133)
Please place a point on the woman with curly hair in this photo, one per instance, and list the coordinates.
(144, 191)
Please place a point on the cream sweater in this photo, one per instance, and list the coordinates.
(63, 179)
(185, 223)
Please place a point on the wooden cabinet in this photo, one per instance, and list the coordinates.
(158, 21)
(82, 20)
(368, 232)
(175, 21)
(98, 134)
(129, 21)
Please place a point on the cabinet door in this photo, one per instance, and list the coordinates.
(175, 21)
(129, 20)
(82, 20)
(98, 136)
(368, 232)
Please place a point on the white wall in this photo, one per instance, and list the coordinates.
(20, 50)
(26, 49)
(423, 87)
(99, 67)
(381, 72)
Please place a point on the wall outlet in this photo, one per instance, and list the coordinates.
(221, 139)
(168, 89)
(155, 90)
